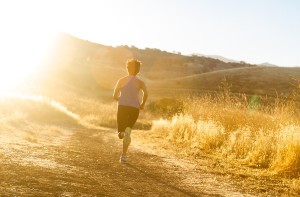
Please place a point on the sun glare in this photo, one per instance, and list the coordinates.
(22, 56)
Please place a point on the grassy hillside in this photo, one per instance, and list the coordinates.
(275, 81)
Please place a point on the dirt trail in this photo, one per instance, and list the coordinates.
(86, 164)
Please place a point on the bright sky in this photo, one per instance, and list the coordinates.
(254, 31)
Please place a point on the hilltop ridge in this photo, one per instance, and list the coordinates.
(156, 63)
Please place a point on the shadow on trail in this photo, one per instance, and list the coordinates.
(157, 179)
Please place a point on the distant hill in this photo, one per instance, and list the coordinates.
(268, 64)
(218, 57)
(92, 68)
(275, 81)
(227, 60)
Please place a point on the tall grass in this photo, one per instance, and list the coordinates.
(37, 109)
(34, 119)
(254, 130)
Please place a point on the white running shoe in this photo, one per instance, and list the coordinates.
(123, 159)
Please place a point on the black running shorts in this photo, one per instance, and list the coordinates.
(126, 117)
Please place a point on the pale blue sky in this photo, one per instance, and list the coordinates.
(254, 31)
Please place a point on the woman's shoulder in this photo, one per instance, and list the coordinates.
(140, 81)
(122, 80)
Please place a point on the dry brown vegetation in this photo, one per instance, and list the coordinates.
(258, 132)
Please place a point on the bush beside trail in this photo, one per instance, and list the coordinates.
(265, 134)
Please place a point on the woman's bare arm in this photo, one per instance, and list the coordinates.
(145, 95)
(117, 91)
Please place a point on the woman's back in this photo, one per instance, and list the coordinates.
(130, 92)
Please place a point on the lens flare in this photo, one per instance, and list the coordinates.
(22, 57)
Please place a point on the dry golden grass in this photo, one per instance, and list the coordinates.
(248, 130)
(32, 120)
(296, 186)
(36, 109)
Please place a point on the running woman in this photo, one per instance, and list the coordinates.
(126, 93)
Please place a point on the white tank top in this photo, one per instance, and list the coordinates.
(130, 94)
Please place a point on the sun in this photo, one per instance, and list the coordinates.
(22, 56)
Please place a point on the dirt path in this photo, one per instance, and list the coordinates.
(86, 164)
